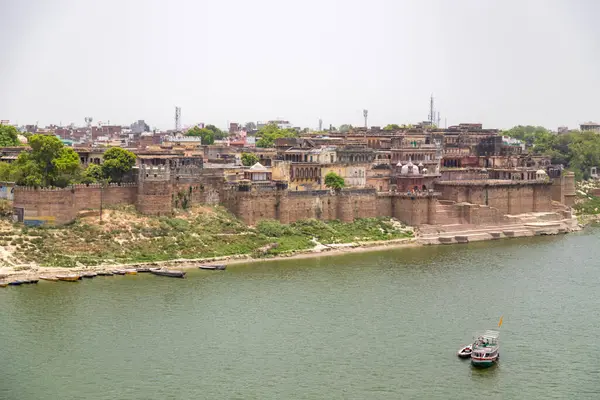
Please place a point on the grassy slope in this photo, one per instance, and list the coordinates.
(125, 236)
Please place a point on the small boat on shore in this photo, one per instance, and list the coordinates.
(48, 278)
(3, 284)
(169, 273)
(214, 267)
(68, 278)
(465, 352)
(143, 270)
(105, 273)
(30, 281)
(130, 272)
(119, 272)
(15, 283)
(89, 275)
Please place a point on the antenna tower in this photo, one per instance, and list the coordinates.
(431, 116)
(177, 119)
(320, 124)
(366, 115)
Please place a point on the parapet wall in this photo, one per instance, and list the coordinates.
(348, 205)
(509, 197)
(61, 205)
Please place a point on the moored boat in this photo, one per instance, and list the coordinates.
(105, 273)
(48, 278)
(130, 272)
(15, 283)
(166, 272)
(119, 272)
(142, 270)
(465, 352)
(30, 281)
(213, 267)
(89, 275)
(68, 278)
(486, 350)
(3, 284)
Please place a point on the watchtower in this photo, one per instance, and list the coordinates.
(154, 190)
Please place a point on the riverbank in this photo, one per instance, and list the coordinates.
(318, 250)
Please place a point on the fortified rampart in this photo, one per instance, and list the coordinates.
(60, 206)
(563, 189)
(509, 197)
(160, 189)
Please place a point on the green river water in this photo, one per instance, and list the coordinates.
(379, 325)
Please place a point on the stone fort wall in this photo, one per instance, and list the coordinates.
(508, 197)
(61, 206)
(476, 202)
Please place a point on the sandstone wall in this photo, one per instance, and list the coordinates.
(291, 206)
(61, 206)
(508, 197)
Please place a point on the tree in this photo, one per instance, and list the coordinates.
(345, 128)
(250, 126)
(49, 163)
(268, 133)
(92, 174)
(217, 133)
(207, 136)
(391, 127)
(9, 136)
(334, 181)
(526, 133)
(249, 159)
(6, 172)
(117, 162)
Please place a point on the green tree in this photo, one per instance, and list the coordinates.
(117, 162)
(207, 135)
(249, 159)
(217, 133)
(49, 163)
(6, 172)
(9, 136)
(334, 181)
(345, 128)
(92, 174)
(268, 133)
(527, 134)
(391, 127)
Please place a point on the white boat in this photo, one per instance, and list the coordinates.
(486, 350)
(465, 352)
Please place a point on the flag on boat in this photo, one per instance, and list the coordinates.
(500, 322)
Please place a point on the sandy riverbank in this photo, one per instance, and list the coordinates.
(10, 274)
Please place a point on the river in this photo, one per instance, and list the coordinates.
(379, 325)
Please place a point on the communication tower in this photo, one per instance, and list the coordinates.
(320, 124)
(177, 119)
(366, 115)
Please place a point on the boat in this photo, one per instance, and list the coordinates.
(465, 352)
(142, 270)
(119, 272)
(215, 267)
(486, 350)
(15, 283)
(3, 284)
(105, 273)
(68, 278)
(130, 272)
(89, 275)
(30, 281)
(48, 278)
(167, 272)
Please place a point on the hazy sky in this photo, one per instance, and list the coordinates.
(502, 63)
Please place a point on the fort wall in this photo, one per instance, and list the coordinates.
(508, 197)
(61, 205)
